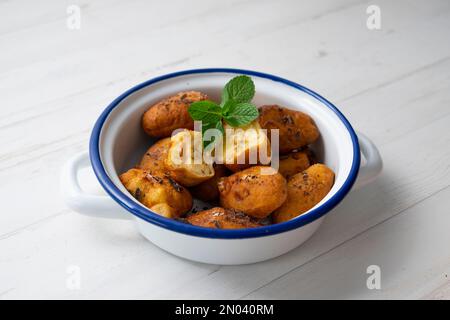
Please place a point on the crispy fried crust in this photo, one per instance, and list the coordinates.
(154, 158)
(208, 190)
(253, 191)
(297, 129)
(305, 190)
(294, 163)
(157, 192)
(171, 113)
(220, 218)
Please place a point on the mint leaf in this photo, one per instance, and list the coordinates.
(205, 111)
(240, 114)
(240, 89)
(227, 106)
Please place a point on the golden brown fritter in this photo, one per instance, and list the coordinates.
(256, 191)
(297, 129)
(181, 162)
(208, 190)
(162, 118)
(154, 158)
(294, 163)
(305, 190)
(220, 218)
(157, 192)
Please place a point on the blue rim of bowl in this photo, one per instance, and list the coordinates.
(130, 205)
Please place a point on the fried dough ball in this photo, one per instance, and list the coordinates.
(162, 118)
(305, 190)
(297, 129)
(154, 158)
(159, 193)
(244, 146)
(256, 191)
(185, 162)
(208, 190)
(294, 163)
(220, 218)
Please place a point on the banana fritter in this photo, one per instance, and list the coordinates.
(157, 192)
(305, 190)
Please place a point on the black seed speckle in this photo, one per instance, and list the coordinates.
(138, 194)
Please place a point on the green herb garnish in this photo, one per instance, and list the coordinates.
(235, 108)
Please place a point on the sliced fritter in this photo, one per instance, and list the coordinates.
(157, 192)
(185, 161)
(245, 146)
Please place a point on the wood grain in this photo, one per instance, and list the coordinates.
(393, 84)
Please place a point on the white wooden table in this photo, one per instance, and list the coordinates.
(393, 84)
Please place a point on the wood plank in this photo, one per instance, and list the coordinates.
(441, 293)
(411, 250)
(403, 106)
(75, 61)
(89, 68)
(105, 251)
(388, 85)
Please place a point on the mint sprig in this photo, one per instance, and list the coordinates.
(205, 111)
(235, 108)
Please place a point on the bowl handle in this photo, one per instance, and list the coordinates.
(79, 201)
(373, 164)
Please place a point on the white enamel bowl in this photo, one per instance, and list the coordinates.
(117, 143)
